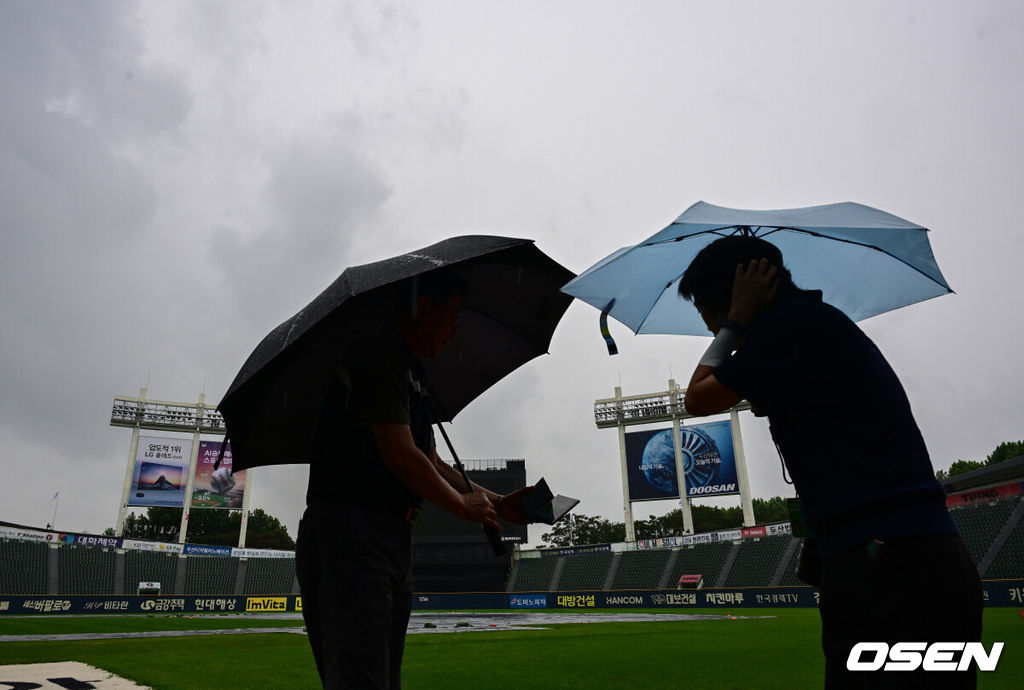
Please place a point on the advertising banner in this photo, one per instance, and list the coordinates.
(261, 553)
(161, 471)
(708, 462)
(203, 550)
(90, 540)
(528, 601)
(990, 494)
(140, 545)
(76, 604)
(216, 488)
(26, 533)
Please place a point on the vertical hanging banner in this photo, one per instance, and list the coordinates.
(216, 488)
(708, 462)
(161, 471)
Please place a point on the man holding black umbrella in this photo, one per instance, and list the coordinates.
(892, 566)
(375, 462)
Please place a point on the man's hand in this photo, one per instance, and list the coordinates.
(753, 290)
(221, 481)
(477, 507)
(510, 507)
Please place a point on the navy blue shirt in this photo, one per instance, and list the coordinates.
(842, 422)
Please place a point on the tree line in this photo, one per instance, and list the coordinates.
(1007, 450)
(215, 527)
(587, 529)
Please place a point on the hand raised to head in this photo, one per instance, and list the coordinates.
(753, 290)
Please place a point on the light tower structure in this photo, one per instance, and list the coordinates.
(138, 413)
(667, 406)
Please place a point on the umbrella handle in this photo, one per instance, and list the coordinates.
(497, 545)
(220, 454)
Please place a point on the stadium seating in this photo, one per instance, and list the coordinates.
(789, 578)
(24, 567)
(1009, 562)
(210, 575)
(86, 570)
(641, 569)
(150, 566)
(269, 576)
(702, 559)
(756, 561)
(584, 571)
(534, 574)
(33, 567)
(980, 523)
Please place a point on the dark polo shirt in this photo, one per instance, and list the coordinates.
(842, 422)
(373, 384)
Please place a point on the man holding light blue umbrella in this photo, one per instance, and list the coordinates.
(891, 566)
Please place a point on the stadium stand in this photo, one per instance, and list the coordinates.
(24, 567)
(703, 559)
(641, 569)
(993, 531)
(1009, 560)
(756, 561)
(980, 523)
(789, 578)
(534, 574)
(269, 576)
(583, 571)
(150, 566)
(87, 570)
(210, 574)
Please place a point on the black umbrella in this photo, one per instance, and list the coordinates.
(511, 307)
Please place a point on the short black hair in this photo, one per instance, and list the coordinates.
(709, 278)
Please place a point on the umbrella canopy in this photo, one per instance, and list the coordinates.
(511, 307)
(865, 262)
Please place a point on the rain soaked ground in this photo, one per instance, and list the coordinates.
(419, 623)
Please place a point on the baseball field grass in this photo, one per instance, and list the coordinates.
(772, 648)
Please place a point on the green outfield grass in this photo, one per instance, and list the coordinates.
(777, 652)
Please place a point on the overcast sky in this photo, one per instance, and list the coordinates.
(178, 178)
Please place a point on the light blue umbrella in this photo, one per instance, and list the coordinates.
(865, 262)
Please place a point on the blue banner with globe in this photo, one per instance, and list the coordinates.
(708, 462)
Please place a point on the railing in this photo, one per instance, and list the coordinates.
(164, 415)
(646, 408)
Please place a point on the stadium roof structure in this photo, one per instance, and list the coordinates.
(992, 475)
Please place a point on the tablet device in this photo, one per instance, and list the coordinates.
(541, 506)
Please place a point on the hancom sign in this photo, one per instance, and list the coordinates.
(709, 462)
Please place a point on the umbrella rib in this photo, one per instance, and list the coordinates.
(812, 233)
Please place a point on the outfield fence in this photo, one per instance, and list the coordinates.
(1005, 593)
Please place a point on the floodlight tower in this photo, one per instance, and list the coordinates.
(667, 406)
(161, 415)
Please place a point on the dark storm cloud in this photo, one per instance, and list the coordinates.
(321, 190)
(72, 205)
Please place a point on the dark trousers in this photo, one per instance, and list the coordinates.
(353, 570)
(919, 589)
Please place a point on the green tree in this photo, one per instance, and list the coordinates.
(586, 530)
(1007, 450)
(264, 531)
(210, 526)
(768, 510)
(591, 530)
(957, 468)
